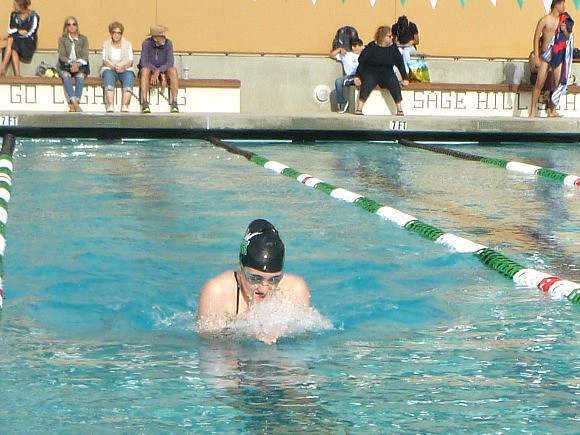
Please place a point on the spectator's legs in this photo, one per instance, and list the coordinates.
(16, 63)
(369, 81)
(68, 89)
(128, 82)
(173, 83)
(391, 82)
(7, 55)
(80, 83)
(339, 86)
(145, 76)
(109, 80)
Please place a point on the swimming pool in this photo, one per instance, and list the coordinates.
(109, 244)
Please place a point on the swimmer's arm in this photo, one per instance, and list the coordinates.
(537, 35)
(300, 292)
(211, 316)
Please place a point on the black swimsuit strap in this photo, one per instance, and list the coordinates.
(237, 293)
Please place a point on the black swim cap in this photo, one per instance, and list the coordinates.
(262, 249)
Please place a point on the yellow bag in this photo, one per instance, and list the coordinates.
(418, 71)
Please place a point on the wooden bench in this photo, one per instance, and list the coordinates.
(464, 99)
(47, 94)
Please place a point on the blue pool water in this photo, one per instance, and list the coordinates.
(109, 244)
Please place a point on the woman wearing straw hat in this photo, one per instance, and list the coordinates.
(156, 67)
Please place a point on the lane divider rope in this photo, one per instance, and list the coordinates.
(553, 285)
(8, 143)
(524, 168)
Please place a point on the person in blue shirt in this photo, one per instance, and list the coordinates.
(156, 67)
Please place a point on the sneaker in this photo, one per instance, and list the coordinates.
(145, 107)
(124, 109)
(174, 108)
(343, 107)
(110, 109)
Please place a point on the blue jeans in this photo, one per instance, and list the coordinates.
(72, 91)
(339, 84)
(127, 79)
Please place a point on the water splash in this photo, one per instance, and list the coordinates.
(269, 320)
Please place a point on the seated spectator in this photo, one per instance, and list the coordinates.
(406, 36)
(117, 65)
(375, 67)
(156, 67)
(349, 60)
(22, 37)
(73, 61)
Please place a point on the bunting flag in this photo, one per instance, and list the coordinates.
(547, 4)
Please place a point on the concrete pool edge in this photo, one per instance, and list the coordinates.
(329, 126)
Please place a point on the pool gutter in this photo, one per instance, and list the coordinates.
(292, 127)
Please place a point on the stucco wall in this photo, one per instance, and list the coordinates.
(453, 28)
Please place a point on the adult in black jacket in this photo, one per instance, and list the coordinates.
(375, 67)
(21, 38)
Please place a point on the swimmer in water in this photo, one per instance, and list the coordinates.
(260, 276)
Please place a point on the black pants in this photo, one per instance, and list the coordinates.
(385, 79)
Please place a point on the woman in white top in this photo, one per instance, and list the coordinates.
(117, 65)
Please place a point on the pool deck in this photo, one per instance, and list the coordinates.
(311, 127)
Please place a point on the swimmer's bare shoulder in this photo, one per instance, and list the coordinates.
(296, 289)
(217, 301)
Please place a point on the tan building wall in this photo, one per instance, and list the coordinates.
(476, 29)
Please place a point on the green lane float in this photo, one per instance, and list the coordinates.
(553, 285)
(6, 153)
(524, 168)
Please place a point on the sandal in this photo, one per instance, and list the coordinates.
(399, 113)
(358, 112)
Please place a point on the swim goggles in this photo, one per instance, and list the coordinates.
(259, 279)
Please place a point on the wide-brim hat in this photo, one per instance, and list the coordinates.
(157, 30)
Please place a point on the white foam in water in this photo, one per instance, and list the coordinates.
(265, 319)
(270, 319)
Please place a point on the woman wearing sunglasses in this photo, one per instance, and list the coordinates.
(73, 62)
(117, 66)
(260, 276)
(22, 36)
